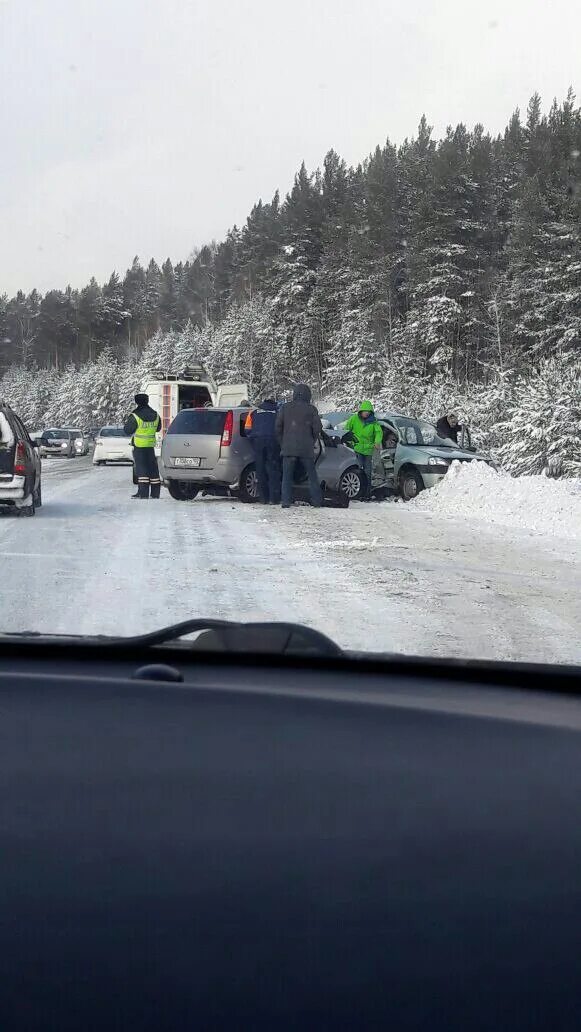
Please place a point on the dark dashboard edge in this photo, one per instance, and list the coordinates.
(526, 676)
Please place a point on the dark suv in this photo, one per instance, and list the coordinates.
(19, 465)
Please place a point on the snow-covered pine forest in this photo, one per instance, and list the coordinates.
(435, 274)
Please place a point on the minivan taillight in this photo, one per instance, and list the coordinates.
(227, 431)
(20, 459)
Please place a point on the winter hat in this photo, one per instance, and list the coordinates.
(142, 399)
(301, 392)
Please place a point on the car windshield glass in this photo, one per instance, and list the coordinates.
(415, 431)
(198, 421)
(171, 264)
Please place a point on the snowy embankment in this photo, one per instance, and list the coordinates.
(474, 491)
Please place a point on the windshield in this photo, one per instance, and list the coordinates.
(413, 431)
(243, 240)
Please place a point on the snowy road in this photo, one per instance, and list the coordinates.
(382, 577)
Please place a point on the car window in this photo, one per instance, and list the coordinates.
(20, 431)
(56, 435)
(198, 421)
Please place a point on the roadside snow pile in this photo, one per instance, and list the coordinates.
(474, 491)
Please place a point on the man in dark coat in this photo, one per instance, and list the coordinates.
(142, 426)
(448, 427)
(297, 428)
(260, 429)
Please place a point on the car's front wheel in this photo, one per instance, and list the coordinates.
(248, 490)
(410, 484)
(182, 491)
(352, 483)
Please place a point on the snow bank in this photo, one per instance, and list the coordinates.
(474, 491)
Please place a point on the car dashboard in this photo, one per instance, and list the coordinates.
(211, 840)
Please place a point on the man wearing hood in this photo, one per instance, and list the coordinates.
(364, 434)
(260, 428)
(142, 426)
(297, 428)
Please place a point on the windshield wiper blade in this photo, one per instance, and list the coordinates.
(230, 636)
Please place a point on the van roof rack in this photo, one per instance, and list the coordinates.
(193, 373)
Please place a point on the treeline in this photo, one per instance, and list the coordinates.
(530, 422)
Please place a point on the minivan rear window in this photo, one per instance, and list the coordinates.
(198, 421)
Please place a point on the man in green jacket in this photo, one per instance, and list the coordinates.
(364, 434)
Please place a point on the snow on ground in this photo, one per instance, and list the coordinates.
(388, 577)
(474, 491)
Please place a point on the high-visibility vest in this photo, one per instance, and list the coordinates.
(144, 436)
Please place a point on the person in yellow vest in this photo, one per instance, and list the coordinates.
(142, 426)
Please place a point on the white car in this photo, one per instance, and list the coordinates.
(112, 445)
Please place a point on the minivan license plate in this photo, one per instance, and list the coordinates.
(187, 461)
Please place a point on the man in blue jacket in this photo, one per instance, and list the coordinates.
(260, 428)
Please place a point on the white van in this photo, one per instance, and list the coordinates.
(194, 388)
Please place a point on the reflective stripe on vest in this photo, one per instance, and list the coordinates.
(144, 436)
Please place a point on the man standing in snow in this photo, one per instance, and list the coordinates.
(364, 433)
(142, 425)
(298, 426)
(448, 427)
(260, 429)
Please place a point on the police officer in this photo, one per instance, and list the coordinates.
(142, 425)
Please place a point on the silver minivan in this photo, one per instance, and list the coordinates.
(206, 449)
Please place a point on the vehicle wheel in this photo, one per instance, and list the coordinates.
(182, 491)
(352, 483)
(410, 484)
(248, 490)
(26, 510)
(37, 496)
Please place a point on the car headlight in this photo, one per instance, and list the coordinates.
(64, 444)
(435, 460)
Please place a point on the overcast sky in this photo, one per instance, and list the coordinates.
(150, 126)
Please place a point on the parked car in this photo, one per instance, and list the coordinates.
(207, 450)
(20, 468)
(421, 457)
(112, 444)
(82, 441)
(58, 441)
